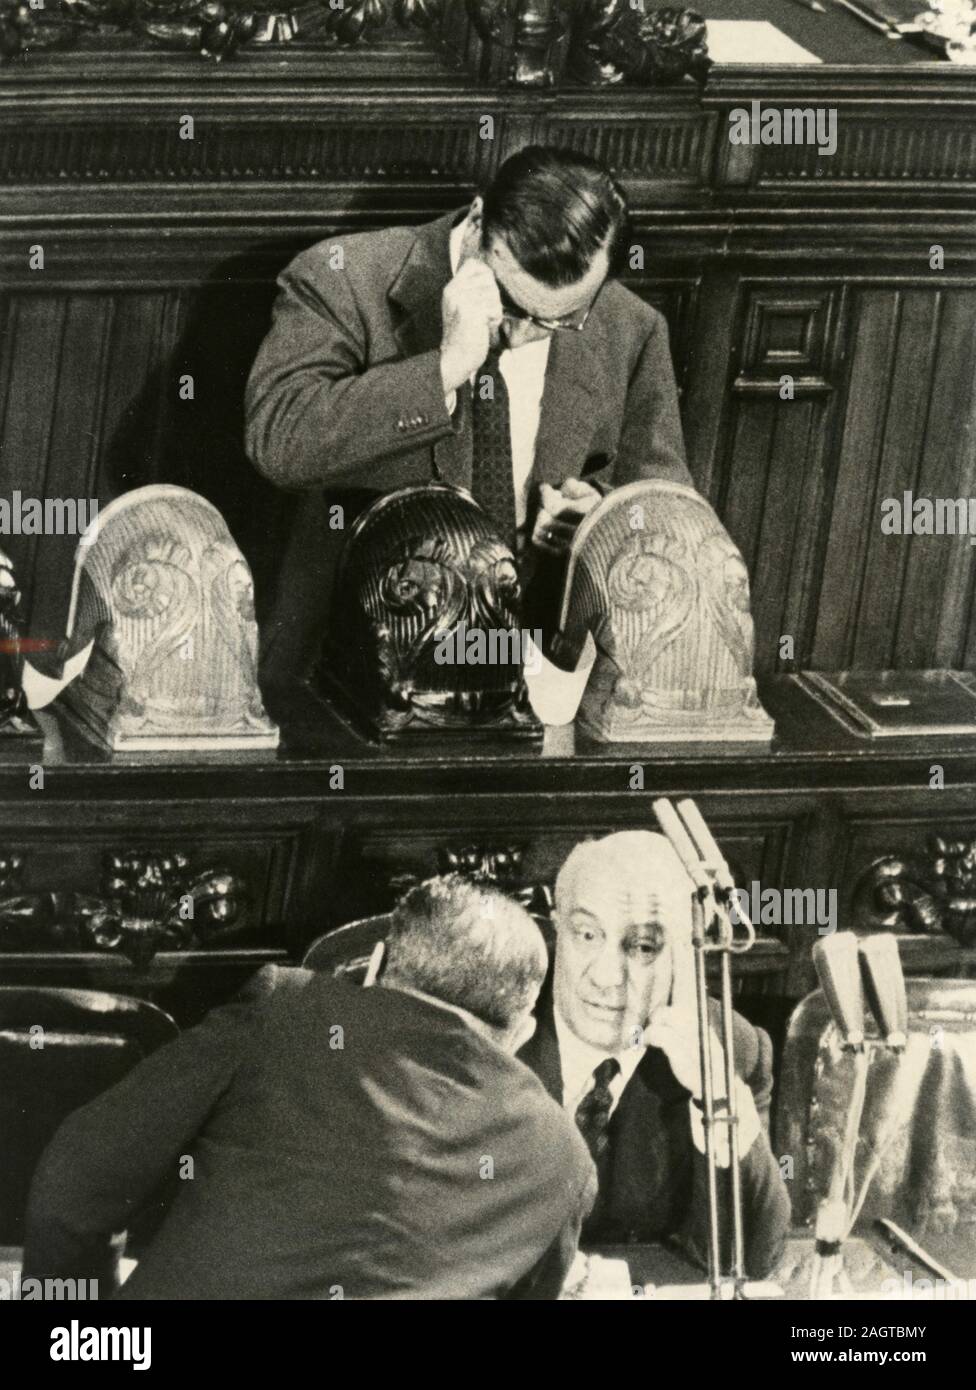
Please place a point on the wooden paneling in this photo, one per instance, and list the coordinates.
(161, 254)
(769, 480)
(889, 600)
(93, 408)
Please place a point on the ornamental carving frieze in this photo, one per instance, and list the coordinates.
(497, 865)
(929, 893)
(213, 28)
(529, 43)
(148, 901)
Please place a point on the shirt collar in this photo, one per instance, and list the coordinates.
(578, 1060)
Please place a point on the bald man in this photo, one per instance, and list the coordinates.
(616, 1044)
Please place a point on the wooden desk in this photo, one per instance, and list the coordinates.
(660, 1273)
(814, 811)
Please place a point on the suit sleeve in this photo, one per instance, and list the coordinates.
(316, 413)
(765, 1201)
(545, 1281)
(651, 442)
(109, 1157)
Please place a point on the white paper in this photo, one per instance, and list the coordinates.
(753, 41)
(555, 694)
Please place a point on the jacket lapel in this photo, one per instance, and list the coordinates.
(415, 298)
(572, 396)
(541, 1052)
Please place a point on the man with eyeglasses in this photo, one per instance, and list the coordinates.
(616, 1044)
(492, 349)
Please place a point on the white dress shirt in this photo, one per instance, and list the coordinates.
(578, 1061)
(524, 370)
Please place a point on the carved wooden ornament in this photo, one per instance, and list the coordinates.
(167, 597)
(425, 630)
(655, 579)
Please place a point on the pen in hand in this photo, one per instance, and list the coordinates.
(813, 5)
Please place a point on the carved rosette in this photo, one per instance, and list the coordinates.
(148, 901)
(924, 894)
(497, 865)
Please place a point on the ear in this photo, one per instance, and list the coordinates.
(523, 1033)
(475, 212)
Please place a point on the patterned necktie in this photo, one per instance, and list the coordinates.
(492, 483)
(593, 1111)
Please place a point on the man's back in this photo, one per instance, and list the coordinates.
(369, 1144)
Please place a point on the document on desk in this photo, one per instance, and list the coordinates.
(753, 41)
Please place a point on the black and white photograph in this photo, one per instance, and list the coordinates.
(488, 668)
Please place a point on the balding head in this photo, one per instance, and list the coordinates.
(621, 904)
(635, 872)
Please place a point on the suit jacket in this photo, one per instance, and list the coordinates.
(652, 1178)
(345, 400)
(404, 1156)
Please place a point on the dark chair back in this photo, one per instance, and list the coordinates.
(346, 951)
(59, 1048)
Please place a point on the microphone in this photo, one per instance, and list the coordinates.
(884, 985)
(708, 849)
(682, 844)
(836, 961)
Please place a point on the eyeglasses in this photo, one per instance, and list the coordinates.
(571, 323)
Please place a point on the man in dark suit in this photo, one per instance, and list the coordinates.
(490, 349)
(331, 1141)
(617, 1046)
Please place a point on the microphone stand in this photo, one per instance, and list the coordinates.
(713, 932)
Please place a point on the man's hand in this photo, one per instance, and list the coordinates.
(560, 512)
(675, 1031)
(471, 309)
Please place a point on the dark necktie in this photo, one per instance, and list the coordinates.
(593, 1111)
(492, 484)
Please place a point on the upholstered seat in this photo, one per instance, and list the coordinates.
(916, 1151)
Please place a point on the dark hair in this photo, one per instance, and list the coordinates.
(555, 209)
(468, 945)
